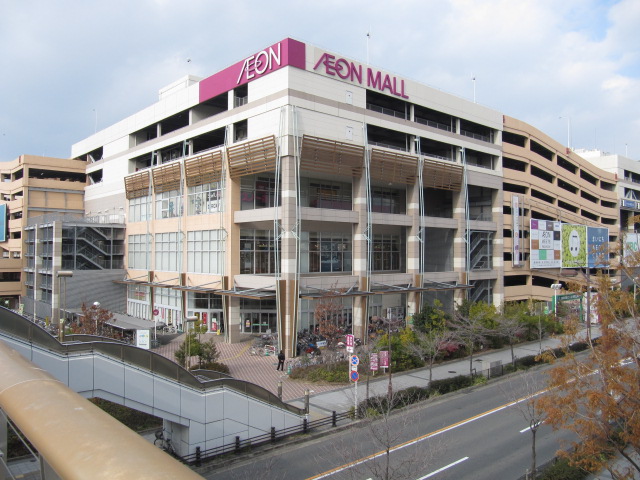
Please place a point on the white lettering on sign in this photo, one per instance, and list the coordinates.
(260, 63)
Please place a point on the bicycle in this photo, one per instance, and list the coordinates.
(164, 443)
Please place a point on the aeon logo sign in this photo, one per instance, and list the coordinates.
(260, 63)
(347, 70)
(288, 52)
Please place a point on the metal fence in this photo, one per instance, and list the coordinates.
(240, 445)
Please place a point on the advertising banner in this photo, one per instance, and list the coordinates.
(515, 214)
(630, 246)
(3, 222)
(598, 244)
(574, 246)
(545, 244)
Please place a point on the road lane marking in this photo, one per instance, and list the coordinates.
(444, 468)
(421, 438)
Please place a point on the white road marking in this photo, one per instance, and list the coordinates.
(444, 468)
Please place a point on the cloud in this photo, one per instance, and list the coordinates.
(535, 60)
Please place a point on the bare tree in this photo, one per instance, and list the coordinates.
(511, 328)
(470, 331)
(386, 430)
(431, 346)
(523, 392)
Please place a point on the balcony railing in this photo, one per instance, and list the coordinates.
(386, 111)
(477, 136)
(431, 123)
(387, 145)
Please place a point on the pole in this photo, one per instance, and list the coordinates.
(355, 407)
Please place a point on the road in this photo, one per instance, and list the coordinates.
(476, 434)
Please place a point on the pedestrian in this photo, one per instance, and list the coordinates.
(281, 360)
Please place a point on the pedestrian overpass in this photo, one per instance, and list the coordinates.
(200, 409)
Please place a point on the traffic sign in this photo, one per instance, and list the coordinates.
(354, 360)
(349, 340)
(354, 376)
(354, 368)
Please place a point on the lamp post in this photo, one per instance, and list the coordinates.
(62, 304)
(555, 287)
(96, 306)
(187, 321)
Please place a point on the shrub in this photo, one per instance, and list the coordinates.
(452, 384)
(216, 367)
(561, 470)
(331, 373)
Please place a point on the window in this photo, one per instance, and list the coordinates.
(240, 131)
(168, 204)
(326, 252)
(388, 253)
(205, 199)
(257, 251)
(167, 253)
(258, 192)
(140, 209)
(139, 253)
(388, 201)
(205, 251)
(326, 194)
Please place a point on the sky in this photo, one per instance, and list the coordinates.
(570, 68)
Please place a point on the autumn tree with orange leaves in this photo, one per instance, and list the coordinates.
(596, 394)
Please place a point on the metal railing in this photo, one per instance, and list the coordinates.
(239, 445)
(477, 136)
(431, 123)
(387, 145)
(17, 326)
(386, 111)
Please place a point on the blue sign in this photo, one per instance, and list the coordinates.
(354, 376)
(354, 360)
(597, 247)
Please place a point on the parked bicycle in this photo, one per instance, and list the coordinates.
(164, 442)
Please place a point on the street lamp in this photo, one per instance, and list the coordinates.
(555, 287)
(96, 306)
(188, 320)
(62, 305)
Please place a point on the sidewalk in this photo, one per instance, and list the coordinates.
(325, 398)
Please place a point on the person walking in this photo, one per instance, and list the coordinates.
(281, 360)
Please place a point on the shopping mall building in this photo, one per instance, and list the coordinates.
(297, 177)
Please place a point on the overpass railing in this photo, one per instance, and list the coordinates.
(17, 326)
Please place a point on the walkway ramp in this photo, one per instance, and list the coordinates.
(201, 409)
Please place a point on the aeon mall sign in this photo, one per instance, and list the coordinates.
(284, 53)
(353, 72)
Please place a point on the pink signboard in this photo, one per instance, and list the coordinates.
(384, 359)
(373, 361)
(284, 53)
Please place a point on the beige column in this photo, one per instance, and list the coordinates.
(360, 256)
(288, 297)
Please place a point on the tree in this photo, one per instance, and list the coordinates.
(386, 429)
(190, 347)
(93, 322)
(431, 317)
(597, 395)
(524, 394)
(510, 326)
(327, 313)
(468, 328)
(431, 346)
